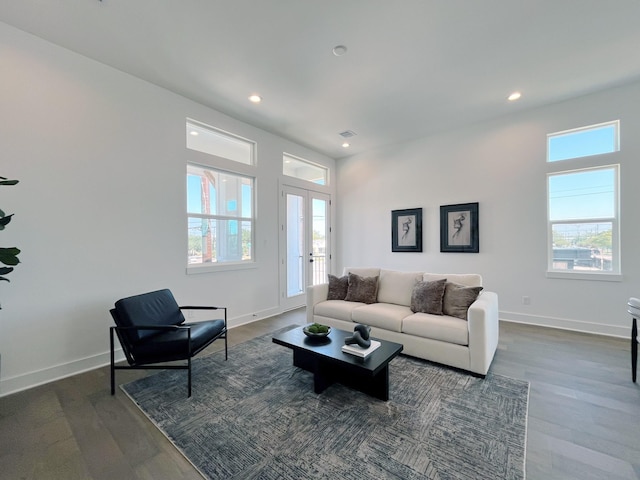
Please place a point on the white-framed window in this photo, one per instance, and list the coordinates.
(302, 169)
(207, 139)
(220, 217)
(220, 201)
(583, 203)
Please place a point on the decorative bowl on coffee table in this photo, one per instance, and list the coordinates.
(316, 335)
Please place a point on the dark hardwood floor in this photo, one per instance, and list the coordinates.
(584, 414)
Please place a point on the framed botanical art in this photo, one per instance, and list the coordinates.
(459, 228)
(406, 230)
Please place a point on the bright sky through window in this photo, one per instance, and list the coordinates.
(583, 142)
(582, 195)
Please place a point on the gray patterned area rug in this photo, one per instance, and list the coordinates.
(256, 416)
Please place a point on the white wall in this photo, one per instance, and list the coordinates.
(100, 207)
(501, 165)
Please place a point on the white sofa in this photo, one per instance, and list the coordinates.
(465, 344)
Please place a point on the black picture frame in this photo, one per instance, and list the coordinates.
(459, 230)
(406, 230)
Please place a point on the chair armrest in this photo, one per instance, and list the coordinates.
(483, 325)
(206, 307)
(150, 327)
(315, 294)
(201, 307)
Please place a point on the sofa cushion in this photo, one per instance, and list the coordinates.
(396, 287)
(427, 297)
(467, 279)
(337, 287)
(362, 289)
(338, 309)
(437, 327)
(458, 298)
(382, 315)
(362, 271)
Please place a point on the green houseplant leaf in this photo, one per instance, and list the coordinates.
(8, 255)
(4, 271)
(4, 220)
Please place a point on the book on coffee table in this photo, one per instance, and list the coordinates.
(358, 351)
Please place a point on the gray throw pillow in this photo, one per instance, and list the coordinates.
(458, 298)
(427, 297)
(362, 289)
(337, 287)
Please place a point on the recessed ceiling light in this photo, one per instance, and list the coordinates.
(514, 96)
(194, 133)
(255, 98)
(346, 144)
(339, 50)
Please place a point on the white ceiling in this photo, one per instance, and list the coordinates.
(413, 67)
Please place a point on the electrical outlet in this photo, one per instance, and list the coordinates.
(526, 300)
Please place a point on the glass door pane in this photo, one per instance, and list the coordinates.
(318, 271)
(295, 248)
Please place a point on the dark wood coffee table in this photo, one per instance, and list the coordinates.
(329, 364)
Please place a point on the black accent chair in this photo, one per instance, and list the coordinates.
(152, 329)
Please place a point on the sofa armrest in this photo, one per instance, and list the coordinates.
(482, 318)
(315, 294)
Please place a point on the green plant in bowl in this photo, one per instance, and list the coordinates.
(317, 328)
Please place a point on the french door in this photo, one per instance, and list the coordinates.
(305, 246)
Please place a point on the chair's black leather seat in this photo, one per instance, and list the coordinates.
(151, 330)
(169, 346)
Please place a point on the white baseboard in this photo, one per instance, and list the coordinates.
(51, 374)
(261, 315)
(566, 324)
(40, 377)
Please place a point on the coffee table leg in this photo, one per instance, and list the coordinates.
(323, 376)
(380, 384)
(321, 379)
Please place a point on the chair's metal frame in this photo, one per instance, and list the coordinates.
(634, 349)
(634, 311)
(134, 365)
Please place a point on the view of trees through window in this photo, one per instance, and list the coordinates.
(582, 246)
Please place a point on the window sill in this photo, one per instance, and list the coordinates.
(219, 267)
(600, 277)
